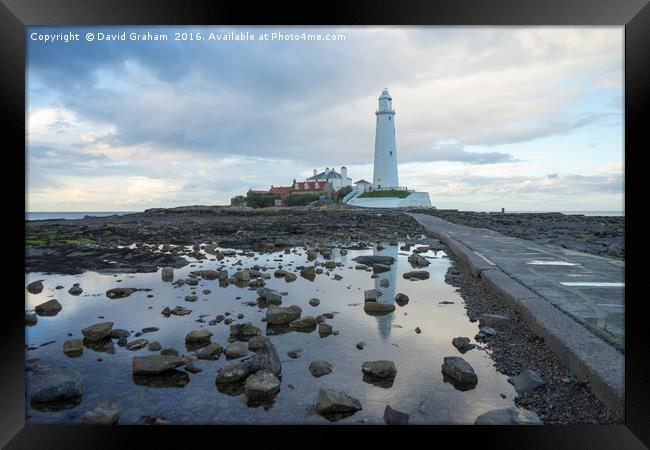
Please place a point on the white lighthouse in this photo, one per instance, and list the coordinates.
(385, 172)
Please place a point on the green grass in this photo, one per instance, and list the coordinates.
(390, 193)
(50, 238)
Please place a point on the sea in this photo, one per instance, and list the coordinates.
(45, 215)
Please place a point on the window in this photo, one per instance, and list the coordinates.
(389, 118)
(391, 153)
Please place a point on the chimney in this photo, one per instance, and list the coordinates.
(344, 173)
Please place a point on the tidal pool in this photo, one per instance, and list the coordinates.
(419, 388)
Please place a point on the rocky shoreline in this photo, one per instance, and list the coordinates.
(598, 235)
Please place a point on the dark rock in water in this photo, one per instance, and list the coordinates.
(493, 320)
(232, 373)
(104, 413)
(418, 330)
(380, 268)
(416, 274)
(169, 352)
(296, 353)
(370, 295)
(508, 416)
(196, 336)
(154, 346)
(49, 308)
(378, 309)
(527, 381)
(459, 371)
(30, 319)
(320, 368)
(103, 345)
(379, 369)
(261, 386)
(324, 329)
(167, 379)
(462, 344)
(191, 368)
(278, 315)
(256, 342)
(191, 298)
(384, 283)
(35, 287)
(150, 329)
(308, 273)
(304, 322)
(166, 311)
(155, 364)
(361, 345)
(137, 344)
(119, 292)
(98, 332)
(75, 289)
(236, 350)
(485, 332)
(394, 417)
(335, 405)
(244, 332)
(73, 347)
(211, 352)
(122, 341)
(55, 385)
(314, 302)
(374, 259)
(401, 299)
(418, 261)
(167, 274)
(119, 332)
(180, 311)
(267, 358)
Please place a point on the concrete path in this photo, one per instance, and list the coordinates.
(587, 289)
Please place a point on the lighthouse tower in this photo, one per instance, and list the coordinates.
(385, 172)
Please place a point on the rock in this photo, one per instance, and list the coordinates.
(35, 287)
(493, 320)
(334, 402)
(416, 274)
(211, 352)
(122, 341)
(261, 386)
(150, 329)
(384, 283)
(485, 332)
(137, 344)
(243, 275)
(119, 332)
(314, 302)
(30, 319)
(98, 332)
(244, 332)
(360, 345)
(418, 330)
(180, 311)
(55, 385)
(459, 370)
(232, 373)
(119, 292)
(304, 322)
(320, 368)
(73, 347)
(192, 368)
(49, 308)
(154, 346)
(508, 416)
(279, 273)
(330, 264)
(75, 289)
(380, 268)
(277, 315)
(289, 277)
(271, 296)
(527, 381)
(267, 358)
(376, 308)
(256, 342)
(418, 261)
(191, 298)
(379, 369)
(324, 329)
(370, 295)
(394, 417)
(296, 353)
(308, 273)
(167, 274)
(155, 364)
(343, 252)
(103, 414)
(374, 259)
(166, 311)
(169, 352)
(197, 336)
(236, 350)
(462, 344)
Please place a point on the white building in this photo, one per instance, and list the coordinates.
(337, 180)
(385, 173)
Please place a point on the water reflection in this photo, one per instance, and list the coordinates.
(385, 322)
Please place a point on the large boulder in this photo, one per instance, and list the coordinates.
(267, 358)
(379, 369)
(55, 385)
(261, 386)
(49, 308)
(278, 315)
(103, 414)
(333, 402)
(508, 416)
(459, 370)
(155, 364)
(98, 332)
(35, 287)
(418, 261)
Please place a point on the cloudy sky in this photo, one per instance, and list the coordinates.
(517, 117)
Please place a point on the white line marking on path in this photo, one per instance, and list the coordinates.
(550, 263)
(591, 284)
(485, 259)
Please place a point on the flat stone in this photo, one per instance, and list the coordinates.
(244, 331)
(119, 292)
(137, 344)
(261, 386)
(485, 332)
(180, 311)
(416, 274)
(374, 259)
(73, 347)
(394, 417)
(324, 329)
(197, 336)
(379, 369)
(295, 353)
(320, 368)
(304, 322)
(232, 373)
(333, 402)
(98, 332)
(278, 315)
(236, 350)
(169, 352)
(155, 364)
(119, 332)
(527, 381)
(49, 308)
(256, 342)
(104, 413)
(380, 268)
(376, 308)
(459, 370)
(55, 384)
(211, 352)
(154, 346)
(462, 344)
(508, 416)
(418, 261)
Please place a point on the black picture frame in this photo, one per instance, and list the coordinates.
(634, 15)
